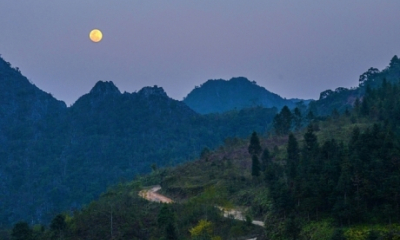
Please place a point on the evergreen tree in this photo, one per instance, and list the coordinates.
(283, 121)
(297, 119)
(255, 166)
(293, 157)
(310, 149)
(286, 117)
(255, 146)
(266, 159)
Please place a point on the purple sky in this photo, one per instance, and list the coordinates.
(293, 48)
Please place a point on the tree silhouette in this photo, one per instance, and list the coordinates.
(255, 146)
(255, 166)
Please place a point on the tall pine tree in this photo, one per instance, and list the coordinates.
(255, 146)
(255, 166)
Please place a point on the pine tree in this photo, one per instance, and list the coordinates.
(255, 146)
(266, 159)
(293, 157)
(283, 121)
(311, 143)
(297, 119)
(255, 166)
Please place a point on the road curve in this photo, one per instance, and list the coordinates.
(152, 195)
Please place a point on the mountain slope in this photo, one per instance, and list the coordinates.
(216, 96)
(54, 158)
(26, 115)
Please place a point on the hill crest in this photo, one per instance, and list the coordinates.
(219, 95)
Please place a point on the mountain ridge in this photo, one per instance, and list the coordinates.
(219, 95)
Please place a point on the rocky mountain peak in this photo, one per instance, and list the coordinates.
(105, 88)
(155, 90)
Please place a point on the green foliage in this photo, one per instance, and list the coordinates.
(165, 216)
(21, 231)
(337, 234)
(321, 230)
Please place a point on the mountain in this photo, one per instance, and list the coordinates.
(54, 158)
(22, 103)
(217, 96)
(27, 114)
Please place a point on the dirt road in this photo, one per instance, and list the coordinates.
(152, 195)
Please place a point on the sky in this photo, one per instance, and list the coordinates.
(296, 49)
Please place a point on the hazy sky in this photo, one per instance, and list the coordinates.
(293, 48)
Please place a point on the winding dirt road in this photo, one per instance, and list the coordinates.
(152, 195)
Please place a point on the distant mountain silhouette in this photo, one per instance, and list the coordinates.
(20, 100)
(54, 158)
(216, 96)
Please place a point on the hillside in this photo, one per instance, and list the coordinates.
(217, 96)
(336, 179)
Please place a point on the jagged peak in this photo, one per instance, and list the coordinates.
(105, 88)
(155, 90)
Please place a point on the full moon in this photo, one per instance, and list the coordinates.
(95, 35)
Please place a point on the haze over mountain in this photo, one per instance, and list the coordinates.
(220, 95)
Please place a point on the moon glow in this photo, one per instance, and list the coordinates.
(95, 35)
